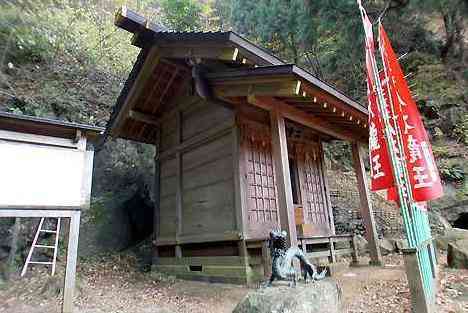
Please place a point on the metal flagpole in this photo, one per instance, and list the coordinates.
(416, 226)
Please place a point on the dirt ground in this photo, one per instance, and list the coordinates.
(115, 286)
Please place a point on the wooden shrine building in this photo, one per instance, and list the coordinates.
(238, 136)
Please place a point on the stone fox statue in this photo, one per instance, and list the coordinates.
(282, 268)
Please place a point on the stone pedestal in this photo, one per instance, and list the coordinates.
(319, 297)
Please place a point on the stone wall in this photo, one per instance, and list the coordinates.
(348, 219)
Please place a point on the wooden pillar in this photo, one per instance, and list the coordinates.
(87, 180)
(266, 259)
(366, 205)
(355, 253)
(239, 174)
(70, 271)
(74, 229)
(327, 190)
(420, 303)
(279, 149)
(178, 249)
(239, 199)
(156, 196)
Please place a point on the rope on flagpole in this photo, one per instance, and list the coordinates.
(382, 14)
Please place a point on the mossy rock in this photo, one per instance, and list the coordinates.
(451, 236)
(457, 254)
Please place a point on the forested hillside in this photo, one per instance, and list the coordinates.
(66, 60)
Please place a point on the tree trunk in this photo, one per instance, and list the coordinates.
(454, 28)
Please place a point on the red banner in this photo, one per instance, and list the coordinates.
(420, 163)
(381, 171)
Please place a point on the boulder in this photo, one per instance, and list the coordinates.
(457, 254)
(399, 244)
(361, 244)
(451, 236)
(439, 224)
(386, 246)
(319, 297)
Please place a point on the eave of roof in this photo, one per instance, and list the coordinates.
(228, 37)
(40, 121)
(291, 69)
(146, 33)
(48, 127)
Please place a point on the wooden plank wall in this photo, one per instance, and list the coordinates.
(200, 137)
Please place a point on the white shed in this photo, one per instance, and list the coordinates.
(46, 170)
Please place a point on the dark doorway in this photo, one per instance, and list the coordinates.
(294, 175)
(461, 221)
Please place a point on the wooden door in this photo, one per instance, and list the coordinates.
(261, 195)
(312, 185)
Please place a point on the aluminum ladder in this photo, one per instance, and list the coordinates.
(35, 245)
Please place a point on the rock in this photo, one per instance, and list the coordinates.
(451, 235)
(386, 246)
(361, 244)
(439, 224)
(457, 254)
(399, 244)
(319, 297)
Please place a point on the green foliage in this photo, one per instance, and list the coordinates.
(461, 129)
(453, 14)
(42, 31)
(182, 15)
(325, 36)
(64, 60)
(440, 151)
(435, 82)
(452, 172)
(189, 15)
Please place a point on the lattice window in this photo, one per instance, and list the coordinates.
(261, 182)
(314, 200)
(260, 176)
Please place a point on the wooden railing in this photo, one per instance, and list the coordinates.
(332, 251)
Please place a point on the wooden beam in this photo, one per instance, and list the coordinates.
(143, 117)
(213, 134)
(276, 89)
(31, 138)
(214, 52)
(35, 213)
(366, 205)
(333, 100)
(282, 176)
(150, 63)
(211, 237)
(301, 117)
(70, 271)
(156, 196)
